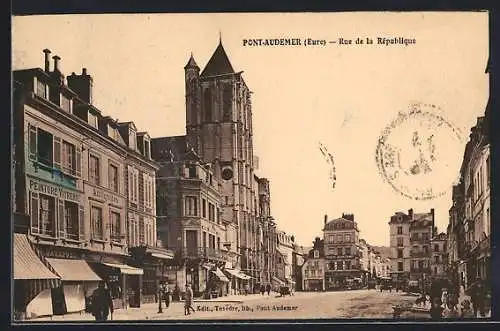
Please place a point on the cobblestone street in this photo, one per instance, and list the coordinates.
(303, 305)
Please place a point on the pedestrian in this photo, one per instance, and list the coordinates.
(247, 289)
(478, 298)
(466, 311)
(166, 295)
(436, 308)
(102, 304)
(268, 288)
(450, 311)
(188, 301)
(262, 289)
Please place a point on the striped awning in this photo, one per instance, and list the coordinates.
(220, 275)
(277, 280)
(238, 274)
(27, 265)
(125, 269)
(73, 270)
(162, 256)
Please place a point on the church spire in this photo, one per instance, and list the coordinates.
(219, 63)
(191, 63)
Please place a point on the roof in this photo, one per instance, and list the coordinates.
(330, 225)
(191, 63)
(27, 265)
(422, 217)
(218, 64)
(175, 148)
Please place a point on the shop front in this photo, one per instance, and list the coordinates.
(277, 283)
(33, 281)
(237, 279)
(314, 285)
(217, 282)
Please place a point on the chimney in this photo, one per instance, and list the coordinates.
(56, 62)
(47, 59)
(81, 85)
(326, 218)
(410, 213)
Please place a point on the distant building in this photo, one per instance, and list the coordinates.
(342, 252)
(313, 269)
(285, 252)
(439, 256)
(410, 239)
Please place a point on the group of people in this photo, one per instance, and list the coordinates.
(263, 289)
(447, 305)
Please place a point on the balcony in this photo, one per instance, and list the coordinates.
(203, 252)
(419, 254)
(419, 240)
(420, 270)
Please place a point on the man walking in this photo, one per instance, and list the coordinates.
(268, 288)
(188, 301)
(478, 297)
(102, 304)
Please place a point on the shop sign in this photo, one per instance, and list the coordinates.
(53, 191)
(105, 196)
(60, 254)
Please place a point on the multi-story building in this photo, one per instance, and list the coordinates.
(439, 256)
(284, 264)
(298, 259)
(455, 245)
(410, 247)
(342, 252)
(313, 268)
(70, 180)
(192, 223)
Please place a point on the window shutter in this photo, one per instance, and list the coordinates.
(153, 189)
(62, 221)
(34, 213)
(78, 162)
(130, 182)
(57, 152)
(144, 190)
(81, 223)
(32, 142)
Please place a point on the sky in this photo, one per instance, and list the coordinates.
(340, 96)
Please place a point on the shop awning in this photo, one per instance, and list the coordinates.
(289, 280)
(220, 275)
(27, 265)
(238, 274)
(125, 269)
(277, 280)
(162, 256)
(73, 270)
(208, 265)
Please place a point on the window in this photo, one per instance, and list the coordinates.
(436, 259)
(436, 248)
(400, 266)
(68, 158)
(339, 238)
(226, 200)
(316, 254)
(339, 251)
(207, 104)
(92, 119)
(340, 265)
(488, 170)
(133, 184)
(41, 89)
(347, 265)
(227, 102)
(113, 178)
(97, 223)
(211, 212)
(347, 238)
(348, 251)
(400, 230)
(132, 141)
(94, 171)
(217, 214)
(435, 270)
(115, 221)
(191, 206)
(426, 249)
(47, 215)
(133, 231)
(147, 149)
(192, 171)
(65, 103)
(45, 147)
(400, 242)
(400, 253)
(71, 220)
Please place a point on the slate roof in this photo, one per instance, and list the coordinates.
(218, 64)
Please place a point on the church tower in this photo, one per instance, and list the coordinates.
(219, 127)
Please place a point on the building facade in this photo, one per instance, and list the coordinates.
(342, 252)
(410, 247)
(192, 223)
(439, 256)
(70, 181)
(285, 256)
(313, 268)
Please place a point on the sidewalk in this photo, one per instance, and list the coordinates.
(150, 310)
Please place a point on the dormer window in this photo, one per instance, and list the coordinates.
(132, 141)
(65, 103)
(41, 89)
(147, 148)
(92, 120)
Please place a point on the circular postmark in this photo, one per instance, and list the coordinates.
(415, 152)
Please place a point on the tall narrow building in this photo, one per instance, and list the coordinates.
(219, 127)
